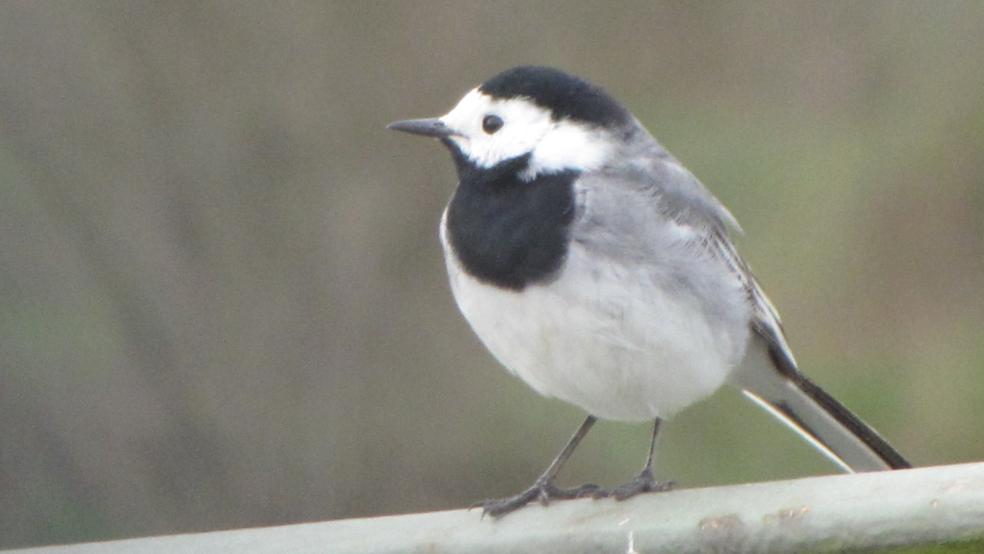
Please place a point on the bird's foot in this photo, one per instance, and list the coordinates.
(644, 482)
(543, 491)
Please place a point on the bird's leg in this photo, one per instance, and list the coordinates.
(644, 482)
(543, 489)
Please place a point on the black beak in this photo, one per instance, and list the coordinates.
(430, 127)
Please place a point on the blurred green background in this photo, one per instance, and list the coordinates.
(223, 298)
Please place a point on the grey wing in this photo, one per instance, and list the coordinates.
(769, 374)
(770, 377)
(679, 194)
(670, 192)
(683, 198)
(765, 318)
(651, 211)
(654, 205)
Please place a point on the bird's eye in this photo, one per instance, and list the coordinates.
(491, 123)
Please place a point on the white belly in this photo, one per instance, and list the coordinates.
(603, 338)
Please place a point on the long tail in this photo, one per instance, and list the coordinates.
(769, 377)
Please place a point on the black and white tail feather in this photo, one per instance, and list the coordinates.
(792, 397)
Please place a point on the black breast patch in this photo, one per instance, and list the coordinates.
(508, 232)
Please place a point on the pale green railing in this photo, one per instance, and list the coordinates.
(905, 511)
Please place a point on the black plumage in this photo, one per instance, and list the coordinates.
(506, 231)
(565, 95)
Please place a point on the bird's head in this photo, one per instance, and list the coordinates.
(550, 120)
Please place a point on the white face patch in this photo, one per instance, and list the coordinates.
(555, 145)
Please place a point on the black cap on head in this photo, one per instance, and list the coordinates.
(566, 96)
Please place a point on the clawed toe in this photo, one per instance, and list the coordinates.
(644, 482)
(543, 492)
(583, 491)
(500, 507)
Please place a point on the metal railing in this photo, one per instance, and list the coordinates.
(871, 512)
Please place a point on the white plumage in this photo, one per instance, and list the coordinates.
(604, 335)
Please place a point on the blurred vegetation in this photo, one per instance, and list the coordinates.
(223, 299)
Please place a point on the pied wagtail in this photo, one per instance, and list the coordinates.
(599, 270)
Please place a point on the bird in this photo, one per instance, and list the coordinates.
(600, 271)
